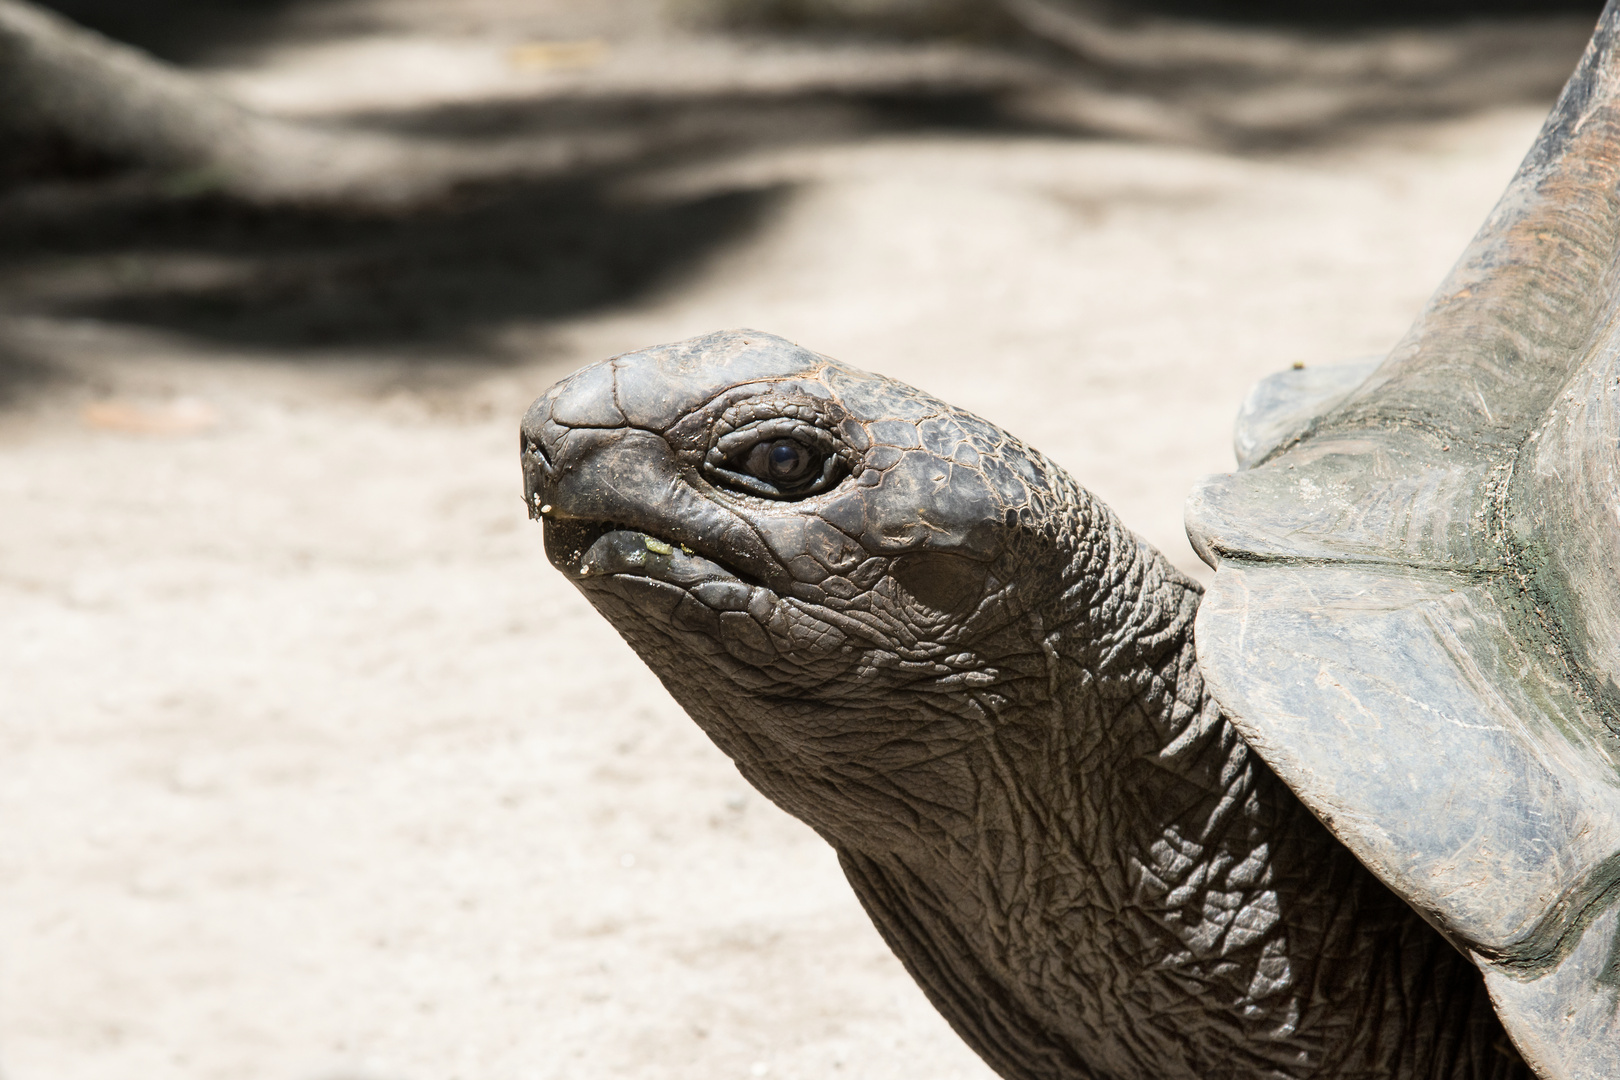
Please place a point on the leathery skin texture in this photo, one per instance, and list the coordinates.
(960, 669)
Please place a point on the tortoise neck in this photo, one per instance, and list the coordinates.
(1138, 896)
(1115, 867)
(1112, 863)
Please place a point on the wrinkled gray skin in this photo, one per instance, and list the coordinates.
(962, 671)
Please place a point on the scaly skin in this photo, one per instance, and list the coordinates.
(980, 688)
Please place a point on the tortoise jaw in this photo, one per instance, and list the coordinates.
(587, 549)
(625, 551)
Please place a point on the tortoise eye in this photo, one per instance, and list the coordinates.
(781, 457)
(784, 463)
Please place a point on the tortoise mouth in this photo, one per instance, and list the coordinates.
(600, 549)
(568, 539)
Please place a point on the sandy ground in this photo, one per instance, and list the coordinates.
(315, 768)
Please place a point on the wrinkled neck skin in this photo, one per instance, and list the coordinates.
(1145, 847)
(1107, 882)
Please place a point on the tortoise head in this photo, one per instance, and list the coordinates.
(837, 575)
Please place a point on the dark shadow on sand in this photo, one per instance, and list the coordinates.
(297, 279)
(436, 278)
(439, 275)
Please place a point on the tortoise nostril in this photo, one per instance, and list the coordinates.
(538, 472)
(533, 452)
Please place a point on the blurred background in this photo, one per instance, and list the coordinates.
(313, 767)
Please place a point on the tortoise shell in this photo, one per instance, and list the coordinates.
(1416, 613)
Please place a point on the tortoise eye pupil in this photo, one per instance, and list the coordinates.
(783, 462)
(786, 459)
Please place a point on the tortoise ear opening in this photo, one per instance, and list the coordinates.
(950, 584)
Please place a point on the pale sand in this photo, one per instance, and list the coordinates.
(316, 769)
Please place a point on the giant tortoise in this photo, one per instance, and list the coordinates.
(1355, 812)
